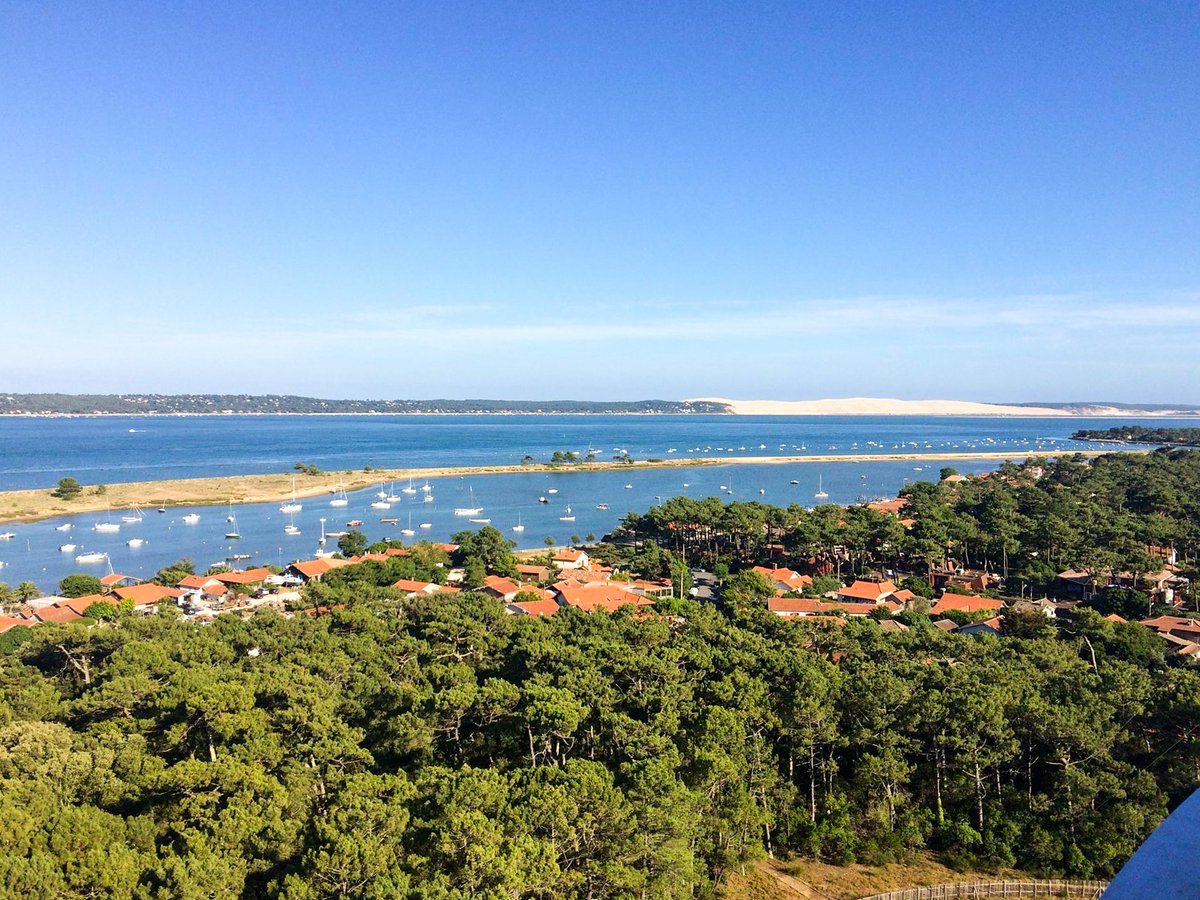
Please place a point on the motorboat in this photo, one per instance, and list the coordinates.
(354, 523)
(91, 557)
(135, 542)
(8, 536)
(542, 500)
(191, 518)
(381, 504)
(106, 528)
(425, 525)
(66, 526)
(481, 521)
(66, 548)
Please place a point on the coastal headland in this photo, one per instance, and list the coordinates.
(31, 505)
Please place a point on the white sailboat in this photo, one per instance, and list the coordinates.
(392, 496)
(233, 534)
(381, 504)
(426, 487)
(230, 516)
(569, 516)
(428, 498)
(471, 510)
(108, 527)
(410, 489)
(341, 499)
(821, 494)
(408, 532)
(135, 515)
(518, 527)
(292, 506)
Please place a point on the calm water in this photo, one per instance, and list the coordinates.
(37, 452)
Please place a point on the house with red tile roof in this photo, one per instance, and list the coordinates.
(888, 507)
(993, 626)
(570, 559)
(411, 588)
(967, 604)
(501, 588)
(147, 594)
(785, 579)
(113, 580)
(1179, 626)
(246, 576)
(611, 596)
(534, 573)
(57, 615)
(543, 607)
(310, 569)
(874, 592)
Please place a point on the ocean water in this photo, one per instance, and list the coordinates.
(37, 452)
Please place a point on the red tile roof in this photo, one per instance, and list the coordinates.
(536, 607)
(114, 578)
(249, 576)
(964, 603)
(870, 591)
(7, 622)
(602, 596)
(147, 594)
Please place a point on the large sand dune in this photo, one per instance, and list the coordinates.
(876, 406)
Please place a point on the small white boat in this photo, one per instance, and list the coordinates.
(341, 499)
(91, 557)
(291, 530)
(135, 542)
(481, 521)
(233, 534)
(601, 506)
(8, 536)
(569, 517)
(629, 487)
(381, 504)
(65, 527)
(409, 532)
(427, 487)
(518, 527)
(410, 489)
(134, 516)
(821, 493)
(552, 491)
(542, 500)
(425, 525)
(191, 518)
(429, 498)
(106, 527)
(66, 548)
(325, 554)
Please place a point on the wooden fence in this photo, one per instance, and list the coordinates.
(1078, 890)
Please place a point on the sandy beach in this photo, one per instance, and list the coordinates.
(31, 505)
(882, 406)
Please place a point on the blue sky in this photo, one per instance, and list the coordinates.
(602, 200)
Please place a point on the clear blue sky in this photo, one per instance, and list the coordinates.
(602, 200)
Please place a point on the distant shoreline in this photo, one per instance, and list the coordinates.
(35, 504)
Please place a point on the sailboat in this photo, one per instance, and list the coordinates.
(392, 496)
(821, 493)
(471, 510)
(408, 532)
(293, 506)
(518, 527)
(383, 502)
(428, 498)
(570, 516)
(233, 534)
(426, 487)
(135, 515)
(410, 489)
(341, 499)
(230, 517)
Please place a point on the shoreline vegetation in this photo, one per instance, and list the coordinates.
(34, 504)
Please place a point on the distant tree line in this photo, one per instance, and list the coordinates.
(213, 404)
(1138, 434)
